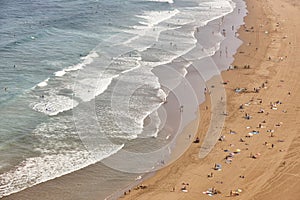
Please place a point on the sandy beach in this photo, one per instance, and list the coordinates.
(257, 156)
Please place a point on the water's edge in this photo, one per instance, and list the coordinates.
(236, 18)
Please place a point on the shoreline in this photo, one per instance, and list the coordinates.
(74, 175)
(267, 39)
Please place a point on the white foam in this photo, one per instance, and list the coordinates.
(86, 60)
(224, 8)
(60, 73)
(163, 1)
(185, 17)
(126, 137)
(161, 94)
(152, 129)
(36, 170)
(93, 85)
(87, 89)
(153, 18)
(44, 83)
(149, 29)
(53, 104)
(131, 121)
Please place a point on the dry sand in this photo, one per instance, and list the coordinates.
(275, 173)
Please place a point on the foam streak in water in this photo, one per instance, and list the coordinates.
(163, 1)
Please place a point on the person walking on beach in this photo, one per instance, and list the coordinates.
(226, 51)
(181, 108)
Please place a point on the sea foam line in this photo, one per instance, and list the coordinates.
(163, 1)
(86, 60)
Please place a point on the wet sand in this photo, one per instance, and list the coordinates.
(262, 151)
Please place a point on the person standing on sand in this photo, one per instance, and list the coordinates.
(181, 108)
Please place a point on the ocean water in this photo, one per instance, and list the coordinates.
(77, 81)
